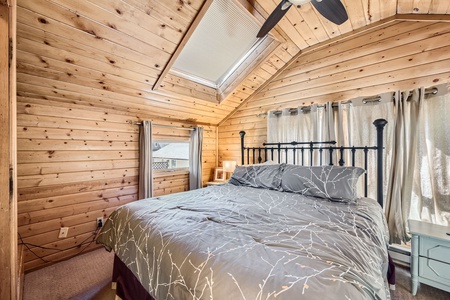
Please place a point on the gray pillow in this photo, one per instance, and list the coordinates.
(330, 182)
(259, 176)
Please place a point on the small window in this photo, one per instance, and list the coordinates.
(168, 156)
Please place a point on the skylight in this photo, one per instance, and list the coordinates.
(225, 36)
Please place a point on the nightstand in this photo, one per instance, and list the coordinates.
(209, 183)
(430, 255)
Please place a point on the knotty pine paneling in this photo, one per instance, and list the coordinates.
(82, 50)
(77, 163)
(401, 55)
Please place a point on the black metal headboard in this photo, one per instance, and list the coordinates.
(301, 148)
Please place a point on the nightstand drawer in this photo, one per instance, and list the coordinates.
(435, 249)
(434, 270)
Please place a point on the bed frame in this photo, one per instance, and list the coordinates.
(128, 287)
(273, 151)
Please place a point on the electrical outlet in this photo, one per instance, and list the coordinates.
(99, 222)
(63, 232)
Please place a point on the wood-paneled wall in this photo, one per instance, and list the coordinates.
(399, 55)
(85, 72)
(77, 163)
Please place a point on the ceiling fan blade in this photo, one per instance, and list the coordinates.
(274, 17)
(333, 10)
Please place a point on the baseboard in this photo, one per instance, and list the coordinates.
(400, 255)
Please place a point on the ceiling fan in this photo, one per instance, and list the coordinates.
(333, 10)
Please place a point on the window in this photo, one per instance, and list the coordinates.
(170, 156)
(225, 36)
(219, 50)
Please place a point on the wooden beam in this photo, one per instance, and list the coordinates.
(5, 241)
(9, 287)
(16, 284)
(183, 43)
(422, 18)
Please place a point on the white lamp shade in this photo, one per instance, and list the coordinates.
(229, 165)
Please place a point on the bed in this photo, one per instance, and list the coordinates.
(274, 231)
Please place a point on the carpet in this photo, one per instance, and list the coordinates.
(87, 276)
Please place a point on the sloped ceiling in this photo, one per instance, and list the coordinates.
(110, 53)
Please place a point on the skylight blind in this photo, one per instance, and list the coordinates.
(223, 37)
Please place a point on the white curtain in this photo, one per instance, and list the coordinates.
(398, 199)
(355, 128)
(145, 160)
(315, 124)
(195, 158)
(416, 155)
(430, 200)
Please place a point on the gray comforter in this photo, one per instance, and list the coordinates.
(232, 242)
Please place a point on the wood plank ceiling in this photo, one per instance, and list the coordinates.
(110, 53)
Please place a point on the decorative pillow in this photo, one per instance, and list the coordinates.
(259, 176)
(330, 182)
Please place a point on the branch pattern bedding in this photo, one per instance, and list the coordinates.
(247, 242)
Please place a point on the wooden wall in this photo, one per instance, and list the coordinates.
(77, 163)
(85, 72)
(397, 55)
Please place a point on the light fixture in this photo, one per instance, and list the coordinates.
(228, 166)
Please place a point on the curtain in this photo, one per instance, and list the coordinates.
(316, 124)
(430, 200)
(355, 128)
(283, 128)
(145, 160)
(398, 199)
(416, 155)
(195, 159)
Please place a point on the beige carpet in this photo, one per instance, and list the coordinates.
(88, 276)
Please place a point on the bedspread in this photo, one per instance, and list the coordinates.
(233, 242)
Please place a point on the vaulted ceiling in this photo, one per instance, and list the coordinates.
(111, 53)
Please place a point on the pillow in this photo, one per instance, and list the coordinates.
(267, 162)
(266, 176)
(330, 182)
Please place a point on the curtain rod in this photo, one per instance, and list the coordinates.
(368, 100)
(169, 126)
(165, 126)
(428, 91)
